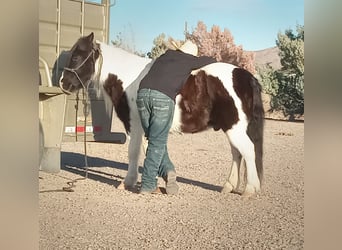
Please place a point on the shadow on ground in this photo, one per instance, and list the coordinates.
(75, 163)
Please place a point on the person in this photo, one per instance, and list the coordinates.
(156, 103)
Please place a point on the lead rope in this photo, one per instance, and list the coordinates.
(86, 113)
(85, 101)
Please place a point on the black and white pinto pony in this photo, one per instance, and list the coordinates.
(219, 96)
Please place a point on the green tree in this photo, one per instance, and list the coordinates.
(159, 48)
(286, 85)
(291, 48)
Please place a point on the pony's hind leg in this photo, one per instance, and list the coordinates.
(240, 140)
(233, 180)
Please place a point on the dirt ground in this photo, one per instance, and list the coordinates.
(96, 215)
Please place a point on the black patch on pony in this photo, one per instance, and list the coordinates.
(113, 87)
(224, 113)
(195, 105)
(206, 103)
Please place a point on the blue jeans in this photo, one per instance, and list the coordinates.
(156, 114)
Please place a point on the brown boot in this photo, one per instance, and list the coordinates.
(171, 183)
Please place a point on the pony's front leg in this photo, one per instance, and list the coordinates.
(233, 181)
(134, 148)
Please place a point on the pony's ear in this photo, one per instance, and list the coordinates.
(90, 37)
(97, 45)
(74, 47)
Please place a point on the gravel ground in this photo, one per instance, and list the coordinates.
(96, 215)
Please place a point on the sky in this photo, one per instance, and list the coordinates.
(254, 24)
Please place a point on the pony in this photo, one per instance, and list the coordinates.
(220, 95)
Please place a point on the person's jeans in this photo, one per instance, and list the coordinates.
(156, 114)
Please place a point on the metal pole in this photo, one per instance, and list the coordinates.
(82, 17)
(107, 4)
(58, 27)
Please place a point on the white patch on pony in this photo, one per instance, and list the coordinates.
(129, 68)
(122, 63)
(176, 123)
(233, 181)
(239, 139)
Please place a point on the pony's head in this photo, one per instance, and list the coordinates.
(80, 67)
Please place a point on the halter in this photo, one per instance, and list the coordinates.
(74, 70)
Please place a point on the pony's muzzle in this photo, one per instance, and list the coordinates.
(64, 85)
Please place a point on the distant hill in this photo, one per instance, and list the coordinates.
(268, 56)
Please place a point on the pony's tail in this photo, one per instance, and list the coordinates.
(255, 129)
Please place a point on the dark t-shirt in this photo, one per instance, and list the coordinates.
(171, 70)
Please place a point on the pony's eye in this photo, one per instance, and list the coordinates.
(74, 59)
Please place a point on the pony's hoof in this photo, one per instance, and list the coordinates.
(122, 186)
(247, 195)
(250, 191)
(227, 188)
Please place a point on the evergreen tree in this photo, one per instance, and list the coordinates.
(286, 86)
